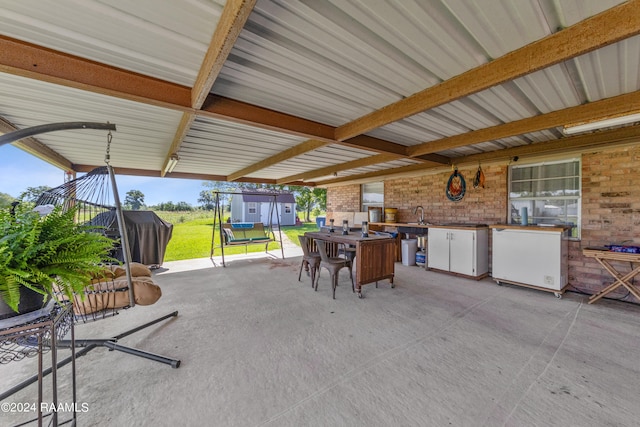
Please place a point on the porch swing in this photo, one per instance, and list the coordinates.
(95, 196)
(245, 233)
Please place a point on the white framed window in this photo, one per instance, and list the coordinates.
(372, 195)
(252, 207)
(287, 208)
(550, 192)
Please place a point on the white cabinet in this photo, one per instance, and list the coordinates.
(530, 256)
(460, 250)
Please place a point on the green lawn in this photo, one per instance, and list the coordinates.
(191, 237)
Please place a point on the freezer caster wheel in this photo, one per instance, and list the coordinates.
(558, 295)
(360, 295)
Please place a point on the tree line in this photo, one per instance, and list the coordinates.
(308, 200)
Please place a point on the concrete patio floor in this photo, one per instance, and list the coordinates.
(259, 348)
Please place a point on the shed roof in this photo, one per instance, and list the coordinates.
(260, 198)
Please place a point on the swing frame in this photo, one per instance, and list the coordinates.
(269, 234)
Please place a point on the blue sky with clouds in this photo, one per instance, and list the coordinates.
(20, 170)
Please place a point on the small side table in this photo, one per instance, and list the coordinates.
(33, 334)
(603, 257)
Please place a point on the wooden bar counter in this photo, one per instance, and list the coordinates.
(375, 255)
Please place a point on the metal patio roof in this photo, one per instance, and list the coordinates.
(315, 92)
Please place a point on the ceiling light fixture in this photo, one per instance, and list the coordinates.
(599, 124)
(173, 161)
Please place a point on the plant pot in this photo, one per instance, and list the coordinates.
(29, 301)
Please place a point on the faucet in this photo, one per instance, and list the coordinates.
(415, 211)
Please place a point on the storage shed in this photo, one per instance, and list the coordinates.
(252, 207)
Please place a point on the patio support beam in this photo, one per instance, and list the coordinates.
(199, 176)
(610, 138)
(234, 15)
(590, 140)
(612, 25)
(183, 128)
(219, 107)
(290, 153)
(353, 164)
(607, 107)
(35, 62)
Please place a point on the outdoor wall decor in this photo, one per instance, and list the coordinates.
(456, 186)
(478, 180)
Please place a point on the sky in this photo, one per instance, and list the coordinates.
(20, 170)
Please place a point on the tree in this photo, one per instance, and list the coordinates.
(5, 200)
(134, 200)
(206, 200)
(173, 207)
(308, 199)
(304, 200)
(183, 206)
(320, 198)
(31, 194)
(221, 186)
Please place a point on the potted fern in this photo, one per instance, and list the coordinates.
(43, 254)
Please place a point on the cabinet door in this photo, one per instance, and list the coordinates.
(438, 249)
(462, 244)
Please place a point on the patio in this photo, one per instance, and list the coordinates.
(260, 348)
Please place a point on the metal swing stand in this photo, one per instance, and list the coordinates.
(88, 345)
(111, 343)
(217, 221)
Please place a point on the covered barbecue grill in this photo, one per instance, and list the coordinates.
(148, 234)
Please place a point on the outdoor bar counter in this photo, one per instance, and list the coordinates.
(375, 255)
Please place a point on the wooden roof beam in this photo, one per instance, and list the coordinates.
(612, 25)
(228, 109)
(353, 164)
(183, 128)
(625, 135)
(35, 62)
(234, 16)
(607, 107)
(183, 175)
(292, 152)
(572, 143)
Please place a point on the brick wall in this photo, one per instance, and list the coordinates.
(610, 214)
(343, 199)
(610, 206)
(479, 205)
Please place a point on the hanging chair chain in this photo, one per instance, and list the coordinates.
(107, 156)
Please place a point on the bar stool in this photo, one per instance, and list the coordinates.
(349, 252)
(334, 265)
(310, 259)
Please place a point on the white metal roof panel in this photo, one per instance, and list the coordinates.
(573, 11)
(612, 70)
(146, 36)
(144, 132)
(218, 147)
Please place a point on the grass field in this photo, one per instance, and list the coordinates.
(191, 237)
